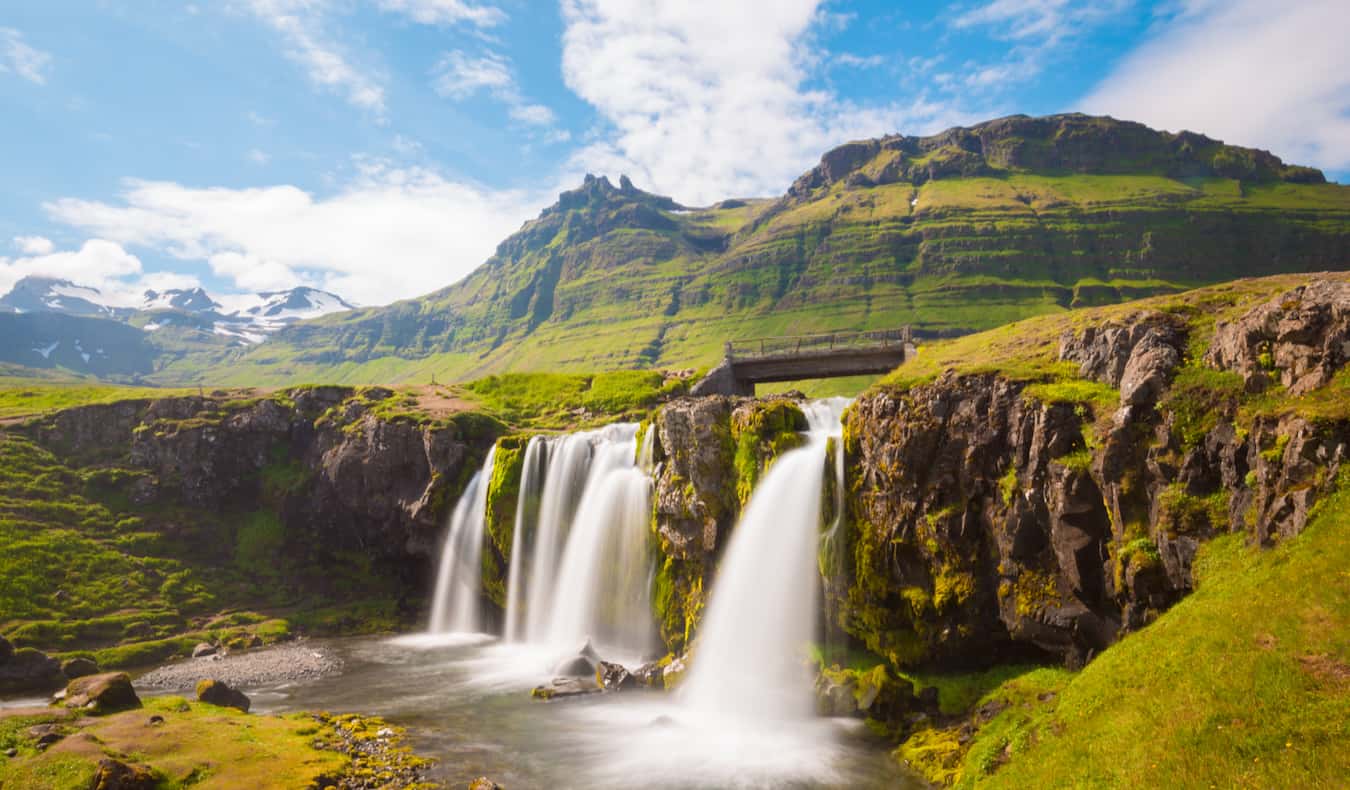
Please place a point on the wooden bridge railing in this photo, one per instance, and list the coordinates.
(797, 344)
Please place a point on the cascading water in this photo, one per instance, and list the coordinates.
(527, 513)
(749, 660)
(603, 579)
(588, 572)
(455, 604)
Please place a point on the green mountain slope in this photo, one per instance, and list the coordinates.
(957, 232)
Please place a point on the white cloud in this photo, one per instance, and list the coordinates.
(34, 245)
(709, 98)
(458, 75)
(858, 61)
(391, 234)
(1275, 76)
(98, 263)
(445, 12)
(1046, 20)
(258, 119)
(300, 23)
(18, 57)
(258, 156)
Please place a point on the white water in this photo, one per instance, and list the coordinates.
(604, 575)
(588, 573)
(527, 510)
(750, 658)
(455, 606)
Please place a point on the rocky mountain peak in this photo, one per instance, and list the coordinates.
(1071, 143)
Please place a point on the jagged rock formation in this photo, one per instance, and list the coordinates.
(987, 519)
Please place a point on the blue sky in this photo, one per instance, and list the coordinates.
(382, 148)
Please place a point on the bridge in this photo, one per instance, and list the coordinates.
(793, 358)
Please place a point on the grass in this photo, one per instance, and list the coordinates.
(20, 399)
(1244, 683)
(563, 399)
(198, 745)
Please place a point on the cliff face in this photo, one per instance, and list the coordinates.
(991, 515)
(334, 472)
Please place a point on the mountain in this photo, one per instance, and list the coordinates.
(55, 323)
(961, 231)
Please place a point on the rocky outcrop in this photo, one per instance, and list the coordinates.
(338, 471)
(1299, 339)
(27, 669)
(989, 519)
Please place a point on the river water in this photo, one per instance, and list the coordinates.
(467, 703)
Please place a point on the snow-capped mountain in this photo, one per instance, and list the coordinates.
(246, 318)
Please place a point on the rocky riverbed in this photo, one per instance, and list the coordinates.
(248, 669)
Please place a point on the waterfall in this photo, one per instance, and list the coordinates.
(527, 513)
(749, 659)
(603, 587)
(455, 604)
(588, 572)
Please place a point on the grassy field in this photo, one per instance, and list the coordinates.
(1245, 683)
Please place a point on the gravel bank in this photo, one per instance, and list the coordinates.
(246, 669)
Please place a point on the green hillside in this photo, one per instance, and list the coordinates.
(953, 233)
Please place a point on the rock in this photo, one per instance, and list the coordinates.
(155, 721)
(216, 692)
(117, 775)
(11, 752)
(560, 688)
(484, 783)
(1148, 370)
(105, 693)
(649, 674)
(45, 740)
(928, 698)
(6, 651)
(29, 670)
(614, 677)
(673, 673)
(1301, 338)
(664, 721)
(583, 664)
(1137, 355)
(204, 649)
(78, 668)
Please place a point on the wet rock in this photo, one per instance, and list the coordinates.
(664, 721)
(484, 783)
(1300, 338)
(928, 698)
(29, 670)
(614, 677)
(673, 673)
(117, 775)
(560, 688)
(105, 693)
(649, 674)
(204, 649)
(78, 668)
(216, 692)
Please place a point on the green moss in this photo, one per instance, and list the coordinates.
(677, 601)
(503, 493)
(761, 432)
(1184, 514)
(1079, 461)
(1199, 399)
(258, 544)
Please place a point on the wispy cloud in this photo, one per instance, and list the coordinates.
(258, 156)
(1275, 76)
(445, 12)
(18, 57)
(1036, 29)
(459, 76)
(300, 23)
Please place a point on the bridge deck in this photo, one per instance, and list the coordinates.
(760, 361)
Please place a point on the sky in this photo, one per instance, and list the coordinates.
(381, 149)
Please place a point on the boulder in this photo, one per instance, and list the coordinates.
(204, 649)
(117, 775)
(614, 677)
(1148, 370)
(566, 687)
(29, 670)
(6, 650)
(78, 667)
(584, 663)
(104, 693)
(649, 674)
(217, 692)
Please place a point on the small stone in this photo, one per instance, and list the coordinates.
(614, 677)
(156, 720)
(11, 752)
(484, 783)
(116, 775)
(204, 649)
(663, 721)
